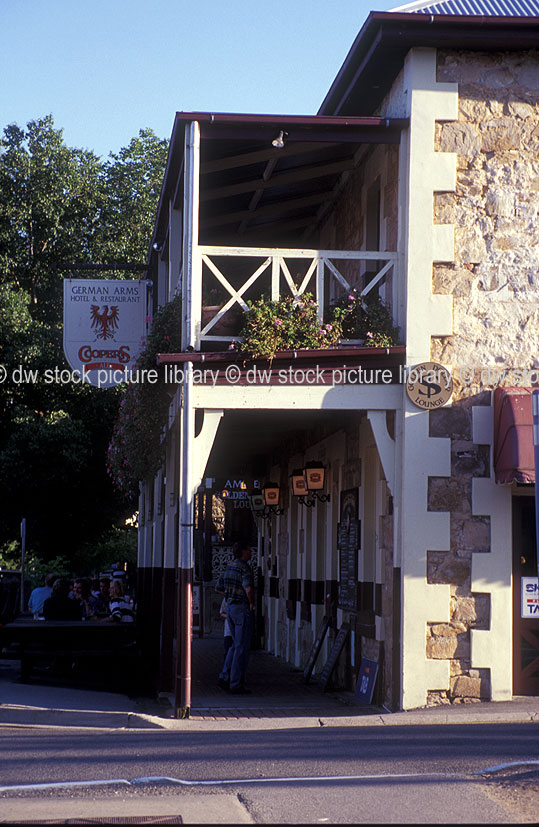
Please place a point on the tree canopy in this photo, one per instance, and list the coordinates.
(61, 205)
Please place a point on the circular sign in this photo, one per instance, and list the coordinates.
(429, 385)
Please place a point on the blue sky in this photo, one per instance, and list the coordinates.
(107, 68)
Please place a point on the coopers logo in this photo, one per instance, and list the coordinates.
(87, 354)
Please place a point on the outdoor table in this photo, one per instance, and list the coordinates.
(51, 639)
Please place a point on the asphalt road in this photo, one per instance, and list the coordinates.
(425, 774)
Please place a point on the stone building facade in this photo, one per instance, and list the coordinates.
(455, 202)
(493, 283)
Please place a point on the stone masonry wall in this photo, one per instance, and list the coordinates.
(494, 281)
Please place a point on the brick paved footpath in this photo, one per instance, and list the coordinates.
(278, 689)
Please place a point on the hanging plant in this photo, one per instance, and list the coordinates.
(366, 318)
(287, 324)
(136, 449)
(293, 324)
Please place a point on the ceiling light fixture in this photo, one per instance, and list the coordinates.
(278, 142)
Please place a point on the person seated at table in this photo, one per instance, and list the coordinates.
(101, 596)
(83, 593)
(60, 606)
(121, 610)
(39, 595)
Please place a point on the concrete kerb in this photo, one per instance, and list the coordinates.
(21, 716)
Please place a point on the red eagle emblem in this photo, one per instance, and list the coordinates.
(105, 322)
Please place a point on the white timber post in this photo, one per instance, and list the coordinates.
(190, 312)
(320, 288)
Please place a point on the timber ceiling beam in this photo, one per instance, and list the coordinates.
(248, 158)
(287, 205)
(285, 178)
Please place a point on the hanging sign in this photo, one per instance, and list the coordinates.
(236, 490)
(529, 605)
(104, 328)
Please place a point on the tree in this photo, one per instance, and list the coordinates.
(132, 181)
(57, 205)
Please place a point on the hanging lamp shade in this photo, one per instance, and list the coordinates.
(271, 494)
(315, 476)
(299, 486)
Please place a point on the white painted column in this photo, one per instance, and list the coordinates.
(422, 171)
(190, 292)
(492, 572)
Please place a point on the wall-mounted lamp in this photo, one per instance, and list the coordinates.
(278, 142)
(307, 483)
(266, 502)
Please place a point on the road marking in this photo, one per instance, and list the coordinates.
(507, 766)
(161, 779)
(65, 784)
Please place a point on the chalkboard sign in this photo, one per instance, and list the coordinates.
(366, 680)
(315, 650)
(331, 662)
(348, 544)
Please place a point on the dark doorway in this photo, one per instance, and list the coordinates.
(525, 628)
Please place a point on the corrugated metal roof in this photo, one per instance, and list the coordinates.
(487, 8)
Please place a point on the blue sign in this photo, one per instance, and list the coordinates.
(366, 680)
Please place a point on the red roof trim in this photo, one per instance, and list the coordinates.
(324, 354)
(310, 121)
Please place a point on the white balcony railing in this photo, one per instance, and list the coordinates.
(271, 272)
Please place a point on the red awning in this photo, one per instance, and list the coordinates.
(513, 435)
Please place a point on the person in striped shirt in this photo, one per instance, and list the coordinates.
(236, 583)
(121, 610)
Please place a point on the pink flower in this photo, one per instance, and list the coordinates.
(278, 322)
(370, 335)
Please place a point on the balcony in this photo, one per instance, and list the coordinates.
(274, 206)
(237, 274)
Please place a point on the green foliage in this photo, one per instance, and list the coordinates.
(116, 544)
(36, 569)
(61, 205)
(366, 318)
(287, 324)
(52, 197)
(137, 449)
(88, 560)
(292, 324)
(133, 180)
(10, 556)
